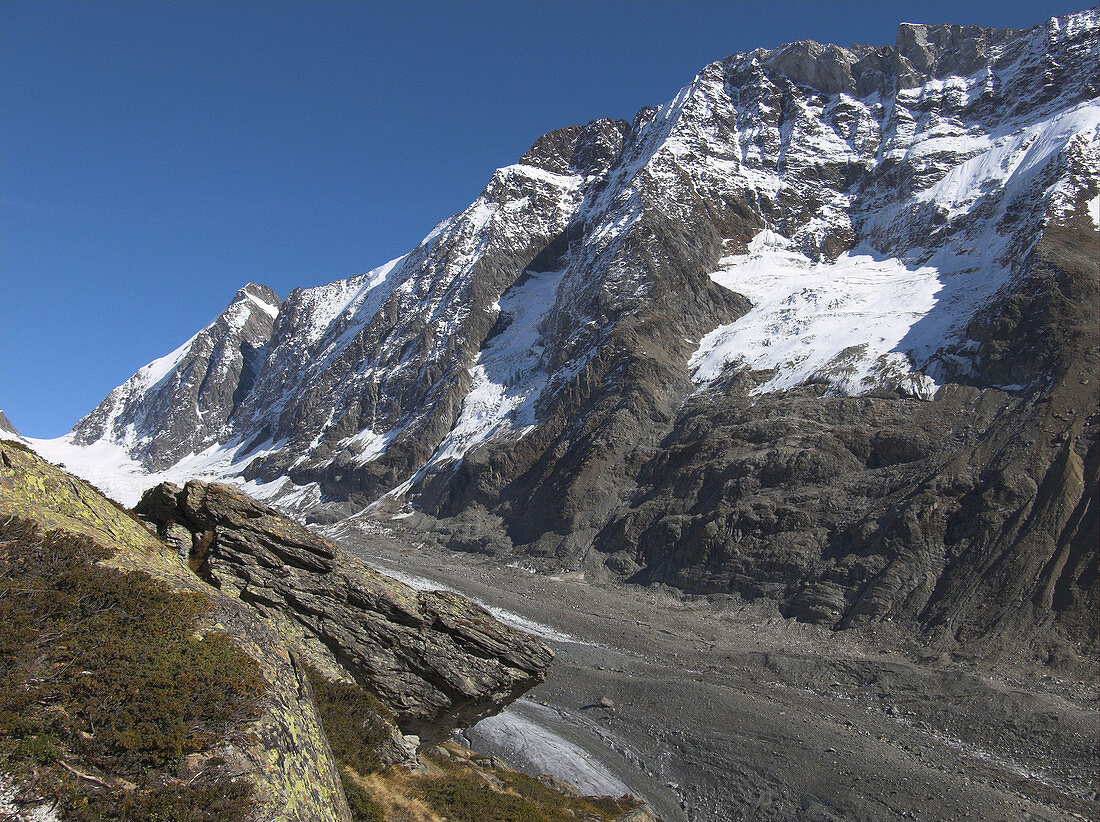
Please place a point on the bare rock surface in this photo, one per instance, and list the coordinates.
(6, 426)
(435, 659)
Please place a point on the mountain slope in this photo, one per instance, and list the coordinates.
(197, 387)
(821, 328)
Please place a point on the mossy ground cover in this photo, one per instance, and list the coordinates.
(461, 794)
(356, 725)
(355, 722)
(105, 687)
(32, 488)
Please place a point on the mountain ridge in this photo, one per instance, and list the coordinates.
(862, 246)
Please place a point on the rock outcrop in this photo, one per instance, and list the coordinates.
(300, 745)
(435, 659)
(283, 750)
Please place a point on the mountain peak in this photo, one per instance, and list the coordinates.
(259, 292)
(198, 385)
(584, 150)
(6, 426)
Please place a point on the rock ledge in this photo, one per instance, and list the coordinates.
(437, 660)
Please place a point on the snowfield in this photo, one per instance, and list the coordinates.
(841, 322)
(108, 467)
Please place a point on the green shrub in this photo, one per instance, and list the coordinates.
(467, 799)
(460, 795)
(180, 803)
(39, 749)
(356, 723)
(100, 670)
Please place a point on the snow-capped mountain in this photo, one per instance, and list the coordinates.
(765, 339)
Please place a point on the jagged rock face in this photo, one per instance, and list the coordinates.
(722, 345)
(178, 404)
(973, 515)
(5, 425)
(435, 659)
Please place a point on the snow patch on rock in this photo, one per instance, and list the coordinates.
(507, 375)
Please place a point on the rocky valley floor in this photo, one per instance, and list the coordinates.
(716, 710)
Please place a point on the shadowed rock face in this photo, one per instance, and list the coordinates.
(175, 406)
(5, 425)
(972, 515)
(437, 660)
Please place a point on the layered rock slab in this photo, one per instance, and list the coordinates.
(437, 660)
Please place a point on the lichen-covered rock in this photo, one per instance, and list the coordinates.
(283, 750)
(435, 659)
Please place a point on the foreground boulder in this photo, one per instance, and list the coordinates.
(435, 659)
(194, 703)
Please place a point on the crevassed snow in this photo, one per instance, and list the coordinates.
(852, 322)
(520, 734)
(864, 317)
(1012, 159)
(806, 315)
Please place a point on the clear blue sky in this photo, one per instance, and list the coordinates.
(154, 157)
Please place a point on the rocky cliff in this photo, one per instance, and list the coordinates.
(822, 329)
(6, 427)
(197, 387)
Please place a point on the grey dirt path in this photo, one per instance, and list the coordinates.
(719, 711)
